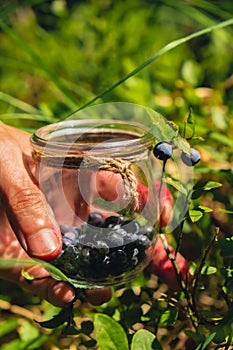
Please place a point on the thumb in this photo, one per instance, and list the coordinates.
(26, 209)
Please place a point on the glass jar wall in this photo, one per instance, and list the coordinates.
(97, 178)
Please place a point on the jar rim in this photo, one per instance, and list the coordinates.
(129, 133)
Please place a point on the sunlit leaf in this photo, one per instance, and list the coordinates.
(208, 340)
(145, 340)
(211, 184)
(109, 333)
(191, 124)
(195, 215)
(30, 277)
(28, 332)
(205, 209)
(176, 184)
(208, 270)
(225, 211)
(8, 326)
(169, 316)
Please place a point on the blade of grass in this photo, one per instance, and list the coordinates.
(170, 46)
(54, 271)
(215, 9)
(205, 13)
(25, 116)
(26, 107)
(8, 263)
(35, 118)
(36, 59)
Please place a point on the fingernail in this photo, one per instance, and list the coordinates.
(44, 244)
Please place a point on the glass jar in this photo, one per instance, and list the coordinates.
(96, 176)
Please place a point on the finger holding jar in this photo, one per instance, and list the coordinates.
(21, 198)
(28, 227)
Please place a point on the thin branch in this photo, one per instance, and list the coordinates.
(202, 263)
(182, 284)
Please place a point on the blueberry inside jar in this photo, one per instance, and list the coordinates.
(97, 180)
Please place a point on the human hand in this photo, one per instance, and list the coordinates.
(22, 207)
(23, 215)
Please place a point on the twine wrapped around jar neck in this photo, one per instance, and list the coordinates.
(113, 146)
(115, 165)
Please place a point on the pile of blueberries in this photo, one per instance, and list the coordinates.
(102, 249)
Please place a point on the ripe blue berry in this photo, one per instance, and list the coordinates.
(114, 239)
(132, 227)
(191, 159)
(130, 238)
(143, 243)
(102, 247)
(95, 219)
(65, 228)
(118, 262)
(68, 238)
(113, 220)
(163, 150)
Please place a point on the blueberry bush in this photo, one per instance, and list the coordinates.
(60, 56)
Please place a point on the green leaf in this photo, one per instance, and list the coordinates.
(8, 326)
(164, 130)
(109, 333)
(195, 215)
(208, 340)
(191, 124)
(145, 340)
(182, 144)
(161, 128)
(208, 270)
(169, 316)
(192, 267)
(205, 209)
(12, 345)
(210, 185)
(30, 277)
(225, 211)
(28, 332)
(176, 184)
(202, 186)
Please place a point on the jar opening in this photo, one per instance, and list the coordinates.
(97, 138)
